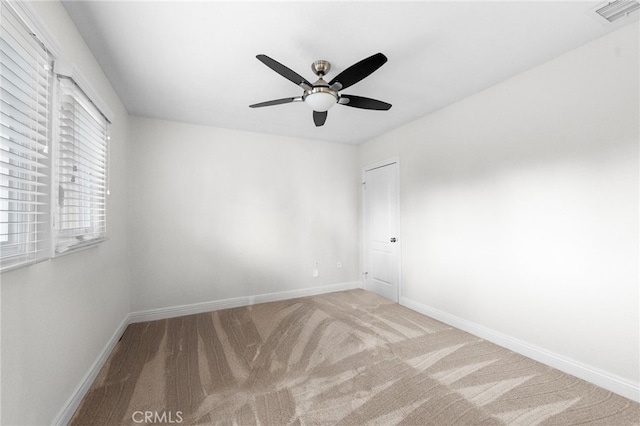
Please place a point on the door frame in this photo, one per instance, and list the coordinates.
(377, 165)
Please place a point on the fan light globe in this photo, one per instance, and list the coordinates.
(320, 101)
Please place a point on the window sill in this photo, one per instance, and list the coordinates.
(79, 247)
(23, 265)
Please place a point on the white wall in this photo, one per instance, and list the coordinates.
(58, 315)
(218, 213)
(519, 206)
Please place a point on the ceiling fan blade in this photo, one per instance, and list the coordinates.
(275, 102)
(284, 71)
(364, 103)
(358, 71)
(319, 118)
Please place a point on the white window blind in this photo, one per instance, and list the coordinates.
(25, 96)
(81, 170)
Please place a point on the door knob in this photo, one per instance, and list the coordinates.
(393, 239)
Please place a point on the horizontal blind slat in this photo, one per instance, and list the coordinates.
(5, 165)
(20, 180)
(24, 161)
(11, 136)
(73, 112)
(24, 151)
(11, 114)
(23, 48)
(72, 148)
(34, 94)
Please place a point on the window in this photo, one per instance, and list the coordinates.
(81, 181)
(50, 203)
(25, 97)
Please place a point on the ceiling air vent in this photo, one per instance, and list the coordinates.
(616, 10)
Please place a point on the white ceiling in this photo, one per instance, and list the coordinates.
(195, 61)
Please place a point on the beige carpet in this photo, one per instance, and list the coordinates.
(346, 358)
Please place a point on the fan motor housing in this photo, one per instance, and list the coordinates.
(320, 89)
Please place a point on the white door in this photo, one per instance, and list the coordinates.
(381, 244)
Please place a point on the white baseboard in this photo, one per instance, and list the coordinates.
(215, 305)
(70, 407)
(611, 382)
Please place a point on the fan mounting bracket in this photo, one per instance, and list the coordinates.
(320, 67)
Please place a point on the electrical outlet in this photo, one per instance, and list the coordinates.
(316, 273)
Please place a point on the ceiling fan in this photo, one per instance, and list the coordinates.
(321, 96)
